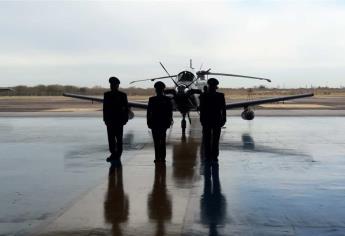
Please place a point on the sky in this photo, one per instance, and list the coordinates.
(83, 43)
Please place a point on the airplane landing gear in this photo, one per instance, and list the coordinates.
(183, 124)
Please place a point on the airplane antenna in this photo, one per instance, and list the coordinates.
(191, 64)
(168, 73)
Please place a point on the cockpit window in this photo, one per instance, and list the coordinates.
(185, 76)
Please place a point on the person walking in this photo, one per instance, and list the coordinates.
(159, 119)
(212, 118)
(115, 116)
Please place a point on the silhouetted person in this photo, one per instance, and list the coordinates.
(213, 202)
(116, 204)
(159, 201)
(212, 118)
(115, 116)
(159, 118)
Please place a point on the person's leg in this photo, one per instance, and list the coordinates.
(156, 140)
(162, 144)
(111, 139)
(215, 143)
(206, 137)
(119, 141)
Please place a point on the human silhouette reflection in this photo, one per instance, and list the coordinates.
(116, 204)
(159, 201)
(212, 202)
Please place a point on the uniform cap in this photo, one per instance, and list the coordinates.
(159, 84)
(114, 80)
(212, 81)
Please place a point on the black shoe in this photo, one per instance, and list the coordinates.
(159, 161)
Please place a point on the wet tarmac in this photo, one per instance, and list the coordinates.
(276, 176)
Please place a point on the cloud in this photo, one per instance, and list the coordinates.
(272, 39)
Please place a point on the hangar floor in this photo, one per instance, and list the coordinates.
(276, 176)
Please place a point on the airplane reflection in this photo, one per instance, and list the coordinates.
(248, 144)
(212, 201)
(116, 204)
(159, 201)
(184, 157)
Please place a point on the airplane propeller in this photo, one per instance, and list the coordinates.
(176, 84)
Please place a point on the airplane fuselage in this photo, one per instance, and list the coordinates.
(185, 94)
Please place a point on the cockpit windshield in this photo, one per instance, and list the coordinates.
(185, 76)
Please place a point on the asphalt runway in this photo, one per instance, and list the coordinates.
(276, 176)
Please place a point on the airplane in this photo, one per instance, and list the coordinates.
(189, 84)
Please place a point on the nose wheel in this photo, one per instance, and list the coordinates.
(183, 124)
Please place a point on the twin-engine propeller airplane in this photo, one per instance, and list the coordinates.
(188, 84)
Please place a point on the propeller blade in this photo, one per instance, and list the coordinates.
(153, 79)
(233, 75)
(168, 74)
(164, 68)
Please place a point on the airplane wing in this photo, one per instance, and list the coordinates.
(141, 105)
(153, 79)
(241, 76)
(266, 100)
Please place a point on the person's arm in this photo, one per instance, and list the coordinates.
(125, 108)
(170, 112)
(149, 114)
(201, 108)
(223, 110)
(105, 108)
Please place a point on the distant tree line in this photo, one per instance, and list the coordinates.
(58, 90)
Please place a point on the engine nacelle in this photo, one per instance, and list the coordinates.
(248, 115)
(130, 114)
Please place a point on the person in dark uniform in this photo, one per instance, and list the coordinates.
(159, 118)
(212, 118)
(115, 116)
